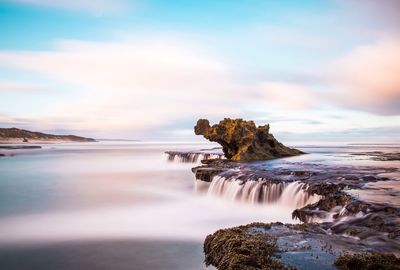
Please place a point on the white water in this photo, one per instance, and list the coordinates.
(289, 194)
(191, 157)
(106, 191)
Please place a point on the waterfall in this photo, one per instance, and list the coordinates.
(191, 157)
(261, 191)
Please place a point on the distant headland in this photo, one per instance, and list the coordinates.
(15, 135)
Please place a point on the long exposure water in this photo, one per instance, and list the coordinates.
(113, 205)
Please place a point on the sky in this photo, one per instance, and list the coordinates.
(316, 70)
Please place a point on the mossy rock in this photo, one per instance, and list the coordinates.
(368, 261)
(240, 248)
(243, 141)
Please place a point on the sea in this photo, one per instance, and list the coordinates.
(129, 205)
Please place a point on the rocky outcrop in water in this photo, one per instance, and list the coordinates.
(243, 141)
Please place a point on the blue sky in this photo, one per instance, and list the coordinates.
(316, 70)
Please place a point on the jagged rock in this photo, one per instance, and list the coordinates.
(242, 141)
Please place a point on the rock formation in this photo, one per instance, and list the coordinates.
(242, 141)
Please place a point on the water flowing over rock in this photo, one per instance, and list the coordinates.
(242, 141)
(191, 157)
(291, 194)
(335, 219)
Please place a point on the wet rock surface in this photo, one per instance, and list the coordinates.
(11, 150)
(243, 141)
(288, 246)
(16, 147)
(244, 247)
(338, 223)
(381, 156)
(315, 174)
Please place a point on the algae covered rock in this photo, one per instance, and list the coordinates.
(368, 261)
(237, 248)
(243, 141)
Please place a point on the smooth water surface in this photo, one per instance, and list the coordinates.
(110, 205)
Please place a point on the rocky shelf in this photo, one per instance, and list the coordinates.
(285, 246)
(337, 227)
(19, 147)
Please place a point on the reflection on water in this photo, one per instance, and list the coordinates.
(126, 196)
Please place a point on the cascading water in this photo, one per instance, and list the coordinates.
(291, 194)
(191, 157)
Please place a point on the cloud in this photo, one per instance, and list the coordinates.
(136, 88)
(287, 95)
(350, 135)
(133, 86)
(19, 87)
(384, 13)
(365, 79)
(284, 36)
(368, 78)
(95, 7)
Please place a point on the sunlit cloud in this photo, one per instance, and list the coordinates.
(141, 79)
(144, 85)
(287, 95)
(137, 85)
(368, 77)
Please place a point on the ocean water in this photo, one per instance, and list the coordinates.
(113, 205)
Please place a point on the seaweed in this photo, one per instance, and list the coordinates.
(368, 261)
(237, 248)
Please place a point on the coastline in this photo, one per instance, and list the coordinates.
(38, 141)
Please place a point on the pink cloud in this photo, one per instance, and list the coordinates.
(287, 95)
(135, 85)
(368, 77)
(15, 86)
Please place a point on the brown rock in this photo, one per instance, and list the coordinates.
(242, 141)
(368, 261)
